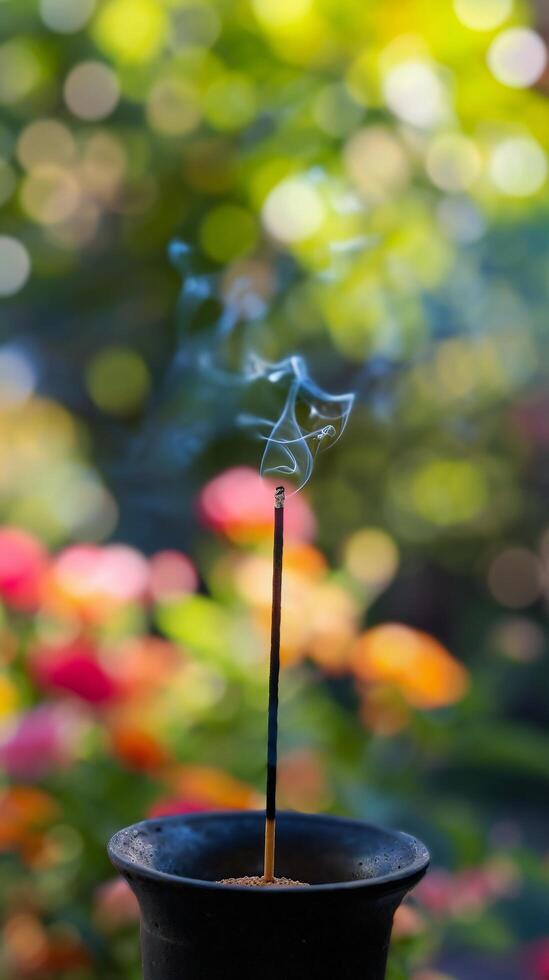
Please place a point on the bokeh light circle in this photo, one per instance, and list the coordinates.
(66, 16)
(518, 166)
(483, 15)
(230, 102)
(50, 194)
(131, 30)
(17, 377)
(519, 639)
(460, 220)
(194, 24)
(15, 265)
(91, 90)
(45, 141)
(335, 110)
(228, 232)
(104, 164)
(8, 181)
(117, 380)
(293, 211)
(414, 92)
(518, 57)
(20, 71)
(277, 14)
(453, 162)
(371, 557)
(173, 107)
(377, 162)
(515, 578)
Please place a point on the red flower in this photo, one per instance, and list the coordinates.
(23, 563)
(74, 667)
(538, 960)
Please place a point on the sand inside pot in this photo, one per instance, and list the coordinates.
(256, 881)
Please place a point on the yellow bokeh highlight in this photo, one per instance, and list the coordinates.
(228, 232)
(46, 141)
(131, 30)
(117, 380)
(371, 557)
(173, 107)
(483, 15)
(449, 491)
(20, 70)
(296, 31)
(9, 697)
(230, 102)
(281, 13)
(377, 163)
(50, 194)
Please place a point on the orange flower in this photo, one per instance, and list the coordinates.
(383, 709)
(305, 559)
(333, 621)
(408, 922)
(24, 812)
(302, 781)
(424, 672)
(144, 665)
(138, 749)
(319, 618)
(214, 788)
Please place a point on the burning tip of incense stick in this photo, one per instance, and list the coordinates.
(280, 495)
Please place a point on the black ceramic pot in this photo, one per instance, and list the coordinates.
(193, 928)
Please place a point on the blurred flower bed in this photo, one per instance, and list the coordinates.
(135, 686)
(363, 183)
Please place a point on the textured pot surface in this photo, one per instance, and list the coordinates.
(193, 928)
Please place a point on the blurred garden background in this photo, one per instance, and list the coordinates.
(189, 188)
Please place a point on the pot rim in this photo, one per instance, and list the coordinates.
(415, 869)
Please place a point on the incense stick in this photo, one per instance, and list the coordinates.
(274, 671)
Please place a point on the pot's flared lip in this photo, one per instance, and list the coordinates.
(414, 869)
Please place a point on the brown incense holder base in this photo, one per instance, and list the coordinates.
(256, 881)
(194, 928)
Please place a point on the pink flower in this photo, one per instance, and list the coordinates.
(239, 504)
(115, 905)
(74, 667)
(173, 806)
(94, 581)
(23, 563)
(435, 892)
(172, 575)
(36, 743)
(466, 892)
